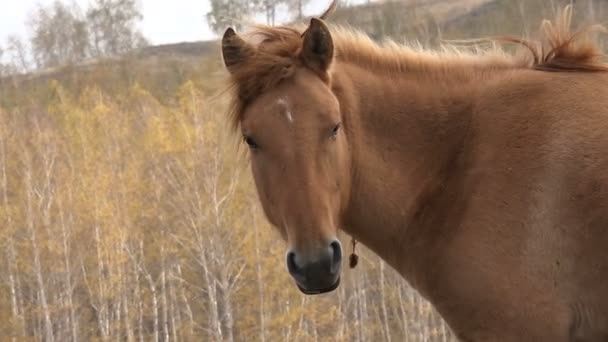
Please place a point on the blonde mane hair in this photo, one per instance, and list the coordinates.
(276, 54)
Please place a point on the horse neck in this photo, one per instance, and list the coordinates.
(405, 133)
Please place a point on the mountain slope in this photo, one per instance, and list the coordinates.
(426, 21)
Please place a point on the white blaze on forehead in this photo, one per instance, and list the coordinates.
(284, 104)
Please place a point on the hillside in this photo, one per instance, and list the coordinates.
(427, 21)
(189, 54)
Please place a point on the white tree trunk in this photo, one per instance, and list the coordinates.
(260, 279)
(101, 301)
(385, 318)
(174, 312)
(140, 301)
(68, 280)
(11, 255)
(163, 288)
(42, 294)
(152, 287)
(186, 304)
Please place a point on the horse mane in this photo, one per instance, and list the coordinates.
(277, 54)
(563, 49)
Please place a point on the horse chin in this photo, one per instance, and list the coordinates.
(319, 291)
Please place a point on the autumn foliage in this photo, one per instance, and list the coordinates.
(129, 217)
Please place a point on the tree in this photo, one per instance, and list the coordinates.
(126, 218)
(59, 35)
(17, 54)
(296, 8)
(269, 7)
(3, 67)
(112, 26)
(225, 13)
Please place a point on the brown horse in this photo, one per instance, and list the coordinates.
(481, 177)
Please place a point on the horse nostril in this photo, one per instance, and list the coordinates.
(336, 259)
(292, 267)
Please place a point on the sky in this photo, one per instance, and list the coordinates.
(165, 21)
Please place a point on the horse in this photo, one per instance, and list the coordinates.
(479, 175)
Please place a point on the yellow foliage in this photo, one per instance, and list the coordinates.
(136, 209)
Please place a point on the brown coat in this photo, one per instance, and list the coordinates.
(482, 179)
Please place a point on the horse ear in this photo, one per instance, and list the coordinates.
(235, 50)
(318, 46)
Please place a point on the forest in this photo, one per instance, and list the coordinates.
(127, 209)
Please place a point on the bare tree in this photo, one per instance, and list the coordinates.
(269, 8)
(226, 13)
(13, 274)
(296, 8)
(17, 54)
(2, 65)
(59, 35)
(33, 203)
(113, 27)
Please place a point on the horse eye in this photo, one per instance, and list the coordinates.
(334, 131)
(249, 141)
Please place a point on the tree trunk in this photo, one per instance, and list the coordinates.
(385, 318)
(139, 299)
(127, 316)
(69, 286)
(300, 10)
(163, 289)
(215, 324)
(152, 286)
(187, 305)
(16, 309)
(48, 324)
(403, 311)
(260, 281)
(101, 307)
(11, 255)
(227, 316)
(174, 313)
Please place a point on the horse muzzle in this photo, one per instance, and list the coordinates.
(318, 275)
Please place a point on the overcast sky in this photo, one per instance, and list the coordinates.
(165, 21)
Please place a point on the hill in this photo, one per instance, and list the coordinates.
(427, 21)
